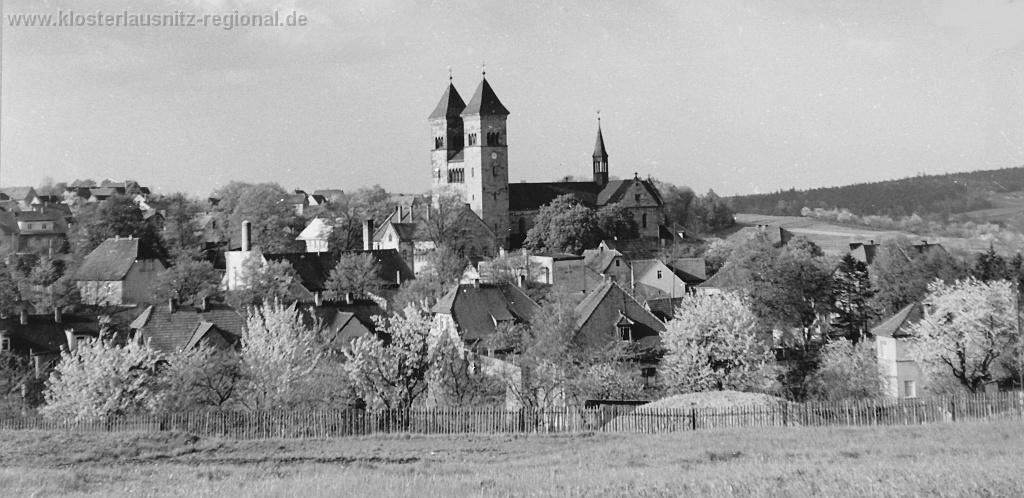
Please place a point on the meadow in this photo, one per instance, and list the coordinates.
(966, 459)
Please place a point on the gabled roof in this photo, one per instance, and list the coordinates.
(599, 151)
(599, 260)
(169, 331)
(617, 190)
(864, 253)
(611, 297)
(329, 193)
(899, 324)
(476, 311)
(729, 277)
(642, 266)
(450, 105)
(113, 258)
(317, 229)
(634, 248)
(18, 193)
(531, 196)
(38, 216)
(663, 308)
(104, 192)
(485, 102)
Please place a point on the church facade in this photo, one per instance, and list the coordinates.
(470, 158)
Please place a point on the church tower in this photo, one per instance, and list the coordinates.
(486, 159)
(600, 158)
(447, 132)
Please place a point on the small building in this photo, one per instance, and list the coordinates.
(652, 279)
(316, 235)
(25, 197)
(565, 272)
(473, 313)
(610, 263)
(120, 271)
(44, 337)
(902, 375)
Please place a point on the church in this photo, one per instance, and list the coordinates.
(470, 156)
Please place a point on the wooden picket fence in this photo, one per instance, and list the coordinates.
(341, 423)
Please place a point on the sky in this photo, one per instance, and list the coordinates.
(739, 96)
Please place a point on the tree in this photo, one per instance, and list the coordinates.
(273, 221)
(347, 213)
(263, 282)
(455, 380)
(118, 216)
(187, 280)
(616, 222)
(444, 223)
(989, 266)
(392, 374)
(846, 370)
(713, 343)
(901, 273)
(100, 380)
(181, 230)
(968, 326)
(677, 203)
(9, 295)
(355, 274)
(790, 288)
(851, 293)
(564, 225)
(709, 213)
(203, 378)
(280, 355)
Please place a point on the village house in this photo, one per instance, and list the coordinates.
(120, 271)
(473, 313)
(170, 328)
(902, 375)
(25, 197)
(44, 337)
(411, 231)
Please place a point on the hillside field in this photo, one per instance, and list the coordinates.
(967, 459)
(835, 239)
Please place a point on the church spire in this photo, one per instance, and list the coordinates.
(600, 157)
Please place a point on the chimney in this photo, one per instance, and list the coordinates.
(476, 283)
(170, 305)
(318, 299)
(72, 341)
(24, 316)
(348, 298)
(246, 235)
(501, 252)
(398, 277)
(58, 317)
(204, 303)
(522, 280)
(368, 234)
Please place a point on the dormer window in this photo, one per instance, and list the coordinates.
(625, 333)
(5, 343)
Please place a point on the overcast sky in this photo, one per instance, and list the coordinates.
(735, 95)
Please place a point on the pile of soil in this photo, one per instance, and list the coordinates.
(713, 399)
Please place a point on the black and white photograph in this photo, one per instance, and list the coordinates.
(446, 248)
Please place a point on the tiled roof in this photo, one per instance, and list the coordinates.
(450, 105)
(729, 277)
(170, 331)
(531, 196)
(112, 259)
(329, 193)
(664, 308)
(103, 191)
(616, 191)
(689, 270)
(476, 310)
(642, 266)
(9, 206)
(634, 248)
(609, 293)
(898, 325)
(484, 102)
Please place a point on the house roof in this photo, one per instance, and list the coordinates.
(317, 229)
(42, 335)
(477, 310)
(329, 193)
(663, 308)
(484, 102)
(611, 293)
(642, 266)
(689, 270)
(729, 277)
(169, 331)
(599, 260)
(10, 206)
(450, 105)
(863, 252)
(104, 191)
(633, 248)
(18, 193)
(346, 321)
(531, 196)
(617, 190)
(899, 324)
(314, 269)
(113, 258)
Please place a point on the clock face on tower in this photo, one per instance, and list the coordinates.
(494, 155)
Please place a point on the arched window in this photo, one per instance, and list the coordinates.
(438, 142)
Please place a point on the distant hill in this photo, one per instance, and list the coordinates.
(936, 197)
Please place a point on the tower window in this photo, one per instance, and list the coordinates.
(456, 175)
(439, 142)
(493, 138)
(472, 139)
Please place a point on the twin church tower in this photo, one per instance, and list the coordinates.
(470, 157)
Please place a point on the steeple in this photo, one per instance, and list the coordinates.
(485, 102)
(451, 104)
(600, 157)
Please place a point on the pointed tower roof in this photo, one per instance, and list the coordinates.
(599, 145)
(485, 102)
(450, 106)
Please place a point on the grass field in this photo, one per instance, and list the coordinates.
(939, 460)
